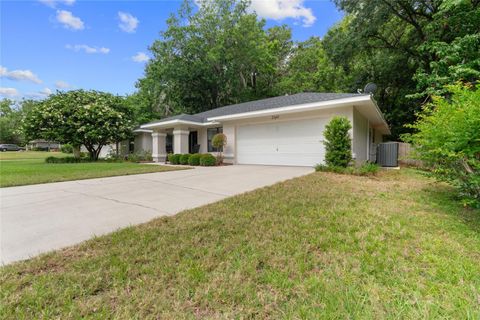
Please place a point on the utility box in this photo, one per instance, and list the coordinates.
(387, 154)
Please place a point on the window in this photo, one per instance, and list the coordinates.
(210, 133)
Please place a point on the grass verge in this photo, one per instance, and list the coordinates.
(320, 246)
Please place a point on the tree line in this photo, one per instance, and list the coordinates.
(214, 53)
(220, 53)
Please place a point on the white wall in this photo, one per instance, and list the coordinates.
(143, 142)
(202, 139)
(229, 130)
(360, 137)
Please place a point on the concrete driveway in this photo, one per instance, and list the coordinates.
(41, 218)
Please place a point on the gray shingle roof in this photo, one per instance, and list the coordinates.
(264, 104)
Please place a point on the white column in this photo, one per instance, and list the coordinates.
(159, 151)
(180, 141)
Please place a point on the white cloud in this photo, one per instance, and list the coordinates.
(8, 92)
(45, 92)
(140, 57)
(18, 75)
(87, 49)
(282, 9)
(69, 21)
(62, 85)
(53, 3)
(128, 23)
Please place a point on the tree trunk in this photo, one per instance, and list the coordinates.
(76, 152)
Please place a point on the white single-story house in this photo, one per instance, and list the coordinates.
(285, 130)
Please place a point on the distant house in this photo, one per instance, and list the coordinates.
(41, 144)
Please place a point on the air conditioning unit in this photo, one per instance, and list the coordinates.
(387, 154)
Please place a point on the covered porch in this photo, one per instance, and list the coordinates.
(181, 137)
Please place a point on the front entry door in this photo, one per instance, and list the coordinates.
(192, 141)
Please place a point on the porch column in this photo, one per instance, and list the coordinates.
(180, 140)
(159, 150)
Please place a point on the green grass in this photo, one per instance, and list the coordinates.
(24, 168)
(323, 246)
(24, 155)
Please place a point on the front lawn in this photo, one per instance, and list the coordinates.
(23, 155)
(320, 246)
(24, 168)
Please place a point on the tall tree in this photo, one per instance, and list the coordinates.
(310, 69)
(410, 48)
(78, 117)
(219, 54)
(11, 116)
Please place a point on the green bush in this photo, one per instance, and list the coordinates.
(66, 160)
(207, 160)
(366, 169)
(66, 148)
(140, 156)
(338, 145)
(174, 158)
(194, 159)
(447, 140)
(184, 158)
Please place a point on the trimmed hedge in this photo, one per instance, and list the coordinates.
(66, 160)
(194, 159)
(207, 160)
(184, 158)
(174, 158)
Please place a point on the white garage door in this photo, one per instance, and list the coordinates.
(292, 143)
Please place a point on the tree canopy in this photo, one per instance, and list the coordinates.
(89, 118)
(218, 55)
(217, 52)
(11, 115)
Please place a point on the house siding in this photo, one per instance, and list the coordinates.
(360, 137)
(143, 142)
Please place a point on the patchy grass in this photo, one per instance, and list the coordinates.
(30, 168)
(320, 246)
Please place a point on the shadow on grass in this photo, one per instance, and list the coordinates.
(444, 198)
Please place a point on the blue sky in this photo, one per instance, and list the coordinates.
(66, 44)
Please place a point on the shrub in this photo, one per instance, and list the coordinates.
(219, 141)
(447, 140)
(66, 148)
(366, 169)
(66, 160)
(174, 158)
(184, 158)
(338, 145)
(207, 160)
(140, 156)
(194, 159)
